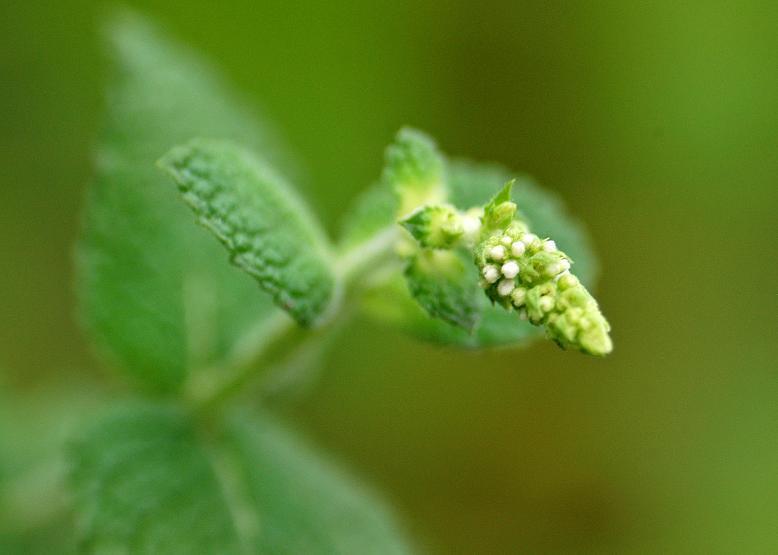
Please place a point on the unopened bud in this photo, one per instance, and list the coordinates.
(529, 239)
(510, 269)
(497, 252)
(505, 287)
(491, 273)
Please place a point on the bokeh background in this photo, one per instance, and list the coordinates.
(658, 124)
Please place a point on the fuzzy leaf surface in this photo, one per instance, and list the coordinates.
(305, 503)
(445, 284)
(267, 230)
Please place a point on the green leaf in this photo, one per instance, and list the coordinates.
(305, 503)
(34, 426)
(445, 284)
(145, 482)
(268, 231)
(415, 170)
(474, 184)
(155, 291)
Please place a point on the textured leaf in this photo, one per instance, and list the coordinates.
(473, 184)
(155, 291)
(414, 175)
(144, 482)
(305, 504)
(445, 284)
(265, 227)
(415, 170)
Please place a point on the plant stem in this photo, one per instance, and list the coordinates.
(355, 267)
(209, 388)
(298, 370)
(367, 256)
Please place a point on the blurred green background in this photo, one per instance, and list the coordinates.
(658, 124)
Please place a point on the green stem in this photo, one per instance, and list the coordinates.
(367, 256)
(355, 267)
(211, 387)
(292, 376)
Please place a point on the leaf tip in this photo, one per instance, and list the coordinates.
(415, 169)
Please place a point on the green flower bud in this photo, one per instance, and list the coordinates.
(437, 227)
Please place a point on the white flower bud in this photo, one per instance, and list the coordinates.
(518, 248)
(549, 246)
(558, 267)
(518, 296)
(529, 238)
(505, 287)
(491, 273)
(497, 252)
(523, 313)
(510, 269)
(554, 268)
(506, 241)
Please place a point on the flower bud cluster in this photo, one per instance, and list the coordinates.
(522, 271)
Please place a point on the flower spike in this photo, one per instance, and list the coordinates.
(536, 280)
